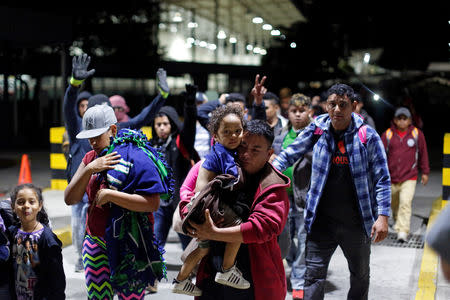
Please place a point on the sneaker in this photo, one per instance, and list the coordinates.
(79, 266)
(232, 277)
(185, 287)
(297, 295)
(402, 237)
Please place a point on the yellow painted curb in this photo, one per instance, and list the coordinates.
(429, 266)
(64, 235)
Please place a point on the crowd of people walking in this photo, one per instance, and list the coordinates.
(245, 186)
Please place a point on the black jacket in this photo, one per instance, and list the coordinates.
(178, 159)
(51, 282)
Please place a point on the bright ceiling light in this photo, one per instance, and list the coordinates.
(366, 58)
(267, 27)
(221, 35)
(293, 45)
(190, 40)
(249, 47)
(275, 32)
(263, 52)
(376, 97)
(203, 44)
(233, 40)
(192, 25)
(212, 47)
(257, 20)
(177, 17)
(256, 50)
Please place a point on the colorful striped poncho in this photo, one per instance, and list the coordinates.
(135, 255)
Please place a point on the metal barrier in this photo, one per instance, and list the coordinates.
(58, 163)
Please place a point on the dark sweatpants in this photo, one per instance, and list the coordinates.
(321, 243)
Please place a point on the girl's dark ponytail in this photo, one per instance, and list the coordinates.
(42, 217)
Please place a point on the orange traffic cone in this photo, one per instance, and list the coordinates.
(25, 172)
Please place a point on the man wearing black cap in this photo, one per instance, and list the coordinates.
(407, 154)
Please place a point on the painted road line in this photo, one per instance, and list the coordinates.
(429, 266)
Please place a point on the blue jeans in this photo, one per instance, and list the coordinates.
(296, 256)
(78, 222)
(163, 221)
(321, 243)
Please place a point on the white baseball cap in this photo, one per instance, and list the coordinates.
(96, 121)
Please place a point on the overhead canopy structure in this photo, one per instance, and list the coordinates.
(237, 15)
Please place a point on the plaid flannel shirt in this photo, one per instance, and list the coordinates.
(368, 166)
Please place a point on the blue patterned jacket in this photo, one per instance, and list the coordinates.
(368, 166)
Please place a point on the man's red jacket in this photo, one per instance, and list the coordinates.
(401, 155)
(268, 216)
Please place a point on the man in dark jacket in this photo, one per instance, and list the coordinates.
(176, 141)
(74, 107)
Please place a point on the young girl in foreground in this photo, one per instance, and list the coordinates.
(226, 126)
(36, 250)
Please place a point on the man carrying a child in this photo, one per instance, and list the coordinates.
(259, 256)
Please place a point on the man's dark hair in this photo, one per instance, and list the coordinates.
(260, 127)
(221, 112)
(272, 96)
(341, 89)
(235, 97)
(356, 97)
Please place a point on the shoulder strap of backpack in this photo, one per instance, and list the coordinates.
(389, 134)
(317, 133)
(362, 134)
(415, 134)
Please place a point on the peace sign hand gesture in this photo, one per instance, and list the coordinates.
(259, 90)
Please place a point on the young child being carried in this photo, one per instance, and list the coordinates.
(226, 126)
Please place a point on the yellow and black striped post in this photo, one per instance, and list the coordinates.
(446, 169)
(147, 130)
(58, 162)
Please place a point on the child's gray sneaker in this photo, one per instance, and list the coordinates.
(232, 277)
(185, 287)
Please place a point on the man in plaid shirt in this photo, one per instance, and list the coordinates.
(348, 201)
